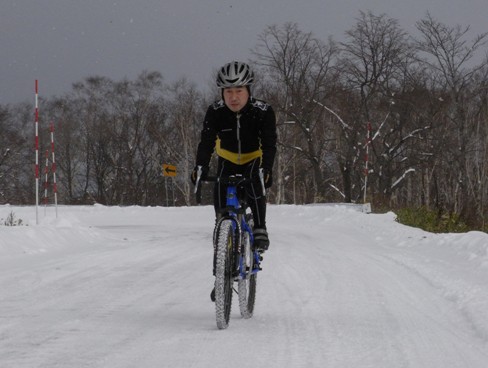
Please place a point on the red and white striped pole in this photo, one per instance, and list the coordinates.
(55, 188)
(46, 183)
(37, 149)
(366, 160)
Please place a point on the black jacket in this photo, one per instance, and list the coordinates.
(239, 137)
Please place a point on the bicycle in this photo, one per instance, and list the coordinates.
(235, 259)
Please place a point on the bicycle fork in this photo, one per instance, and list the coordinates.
(255, 262)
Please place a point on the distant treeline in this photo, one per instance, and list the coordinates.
(398, 121)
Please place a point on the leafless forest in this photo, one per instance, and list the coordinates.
(424, 95)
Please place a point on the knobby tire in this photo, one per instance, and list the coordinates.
(246, 285)
(224, 273)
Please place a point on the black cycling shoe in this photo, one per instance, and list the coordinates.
(212, 295)
(261, 240)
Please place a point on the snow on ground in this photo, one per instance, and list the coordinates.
(129, 287)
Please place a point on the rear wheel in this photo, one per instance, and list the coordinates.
(224, 273)
(246, 285)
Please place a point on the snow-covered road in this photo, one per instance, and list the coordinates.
(129, 287)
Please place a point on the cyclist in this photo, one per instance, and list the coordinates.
(242, 132)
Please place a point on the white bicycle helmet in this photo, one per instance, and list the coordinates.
(235, 74)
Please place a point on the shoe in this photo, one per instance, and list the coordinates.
(261, 240)
(212, 295)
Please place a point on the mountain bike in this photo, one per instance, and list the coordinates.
(235, 259)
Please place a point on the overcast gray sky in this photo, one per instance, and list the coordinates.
(61, 42)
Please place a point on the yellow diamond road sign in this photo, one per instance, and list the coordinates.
(169, 170)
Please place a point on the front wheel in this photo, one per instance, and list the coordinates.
(224, 273)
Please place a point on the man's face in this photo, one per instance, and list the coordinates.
(236, 98)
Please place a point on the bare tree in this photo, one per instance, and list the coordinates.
(63, 113)
(184, 112)
(16, 178)
(138, 105)
(376, 63)
(299, 67)
(450, 60)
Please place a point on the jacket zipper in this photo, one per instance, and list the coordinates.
(238, 139)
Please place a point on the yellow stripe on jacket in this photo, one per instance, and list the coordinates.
(234, 157)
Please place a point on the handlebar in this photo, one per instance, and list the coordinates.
(229, 180)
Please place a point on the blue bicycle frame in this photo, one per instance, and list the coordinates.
(233, 208)
(235, 260)
(236, 213)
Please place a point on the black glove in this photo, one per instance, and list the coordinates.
(194, 174)
(268, 178)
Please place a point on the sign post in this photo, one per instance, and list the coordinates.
(169, 171)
